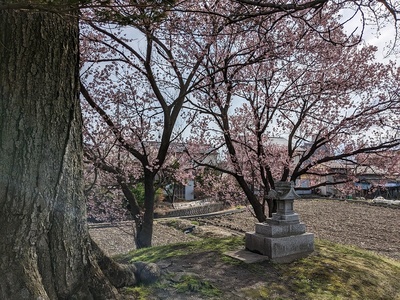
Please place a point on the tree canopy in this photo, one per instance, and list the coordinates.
(246, 74)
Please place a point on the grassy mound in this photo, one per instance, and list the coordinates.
(200, 269)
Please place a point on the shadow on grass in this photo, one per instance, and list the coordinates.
(200, 269)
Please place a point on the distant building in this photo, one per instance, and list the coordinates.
(186, 192)
(370, 181)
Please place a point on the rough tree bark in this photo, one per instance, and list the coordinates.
(145, 234)
(45, 249)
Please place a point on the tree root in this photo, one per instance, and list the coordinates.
(121, 275)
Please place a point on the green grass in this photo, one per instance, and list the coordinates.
(138, 292)
(154, 254)
(333, 271)
(191, 283)
(343, 272)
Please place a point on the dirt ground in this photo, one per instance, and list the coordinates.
(369, 227)
(372, 228)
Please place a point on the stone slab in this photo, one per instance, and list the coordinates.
(246, 256)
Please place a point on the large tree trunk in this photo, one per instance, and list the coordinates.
(44, 242)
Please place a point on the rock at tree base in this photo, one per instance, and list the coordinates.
(147, 272)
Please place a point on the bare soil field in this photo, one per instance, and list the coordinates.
(372, 228)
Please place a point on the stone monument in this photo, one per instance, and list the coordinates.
(282, 238)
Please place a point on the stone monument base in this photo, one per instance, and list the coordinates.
(281, 243)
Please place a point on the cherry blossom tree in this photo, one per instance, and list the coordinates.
(135, 81)
(328, 101)
(357, 15)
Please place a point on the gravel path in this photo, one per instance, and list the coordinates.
(369, 227)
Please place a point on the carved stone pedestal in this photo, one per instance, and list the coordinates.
(282, 238)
